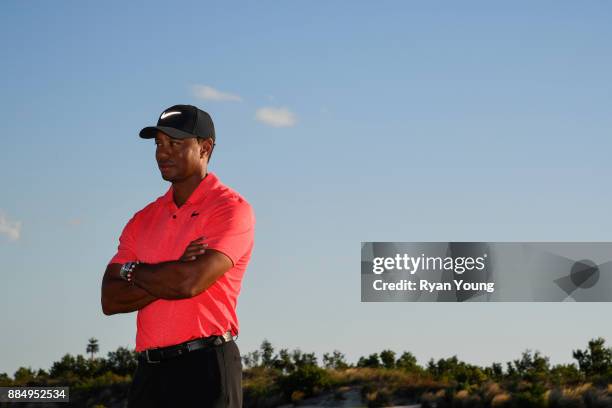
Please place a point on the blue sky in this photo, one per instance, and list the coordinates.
(340, 122)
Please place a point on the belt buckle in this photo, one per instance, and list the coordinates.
(149, 359)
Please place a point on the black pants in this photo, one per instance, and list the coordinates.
(209, 377)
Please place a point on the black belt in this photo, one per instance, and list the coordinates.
(156, 355)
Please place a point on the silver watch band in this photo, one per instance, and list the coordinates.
(126, 270)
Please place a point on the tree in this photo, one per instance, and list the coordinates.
(5, 380)
(92, 347)
(24, 375)
(336, 360)
(407, 362)
(453, 369)
(303, 359)
(533, 367)
(64, 367)
(122, 361)
(596, 359)
(371, 361)
(251, 359)
(495, 371)
(267, 354)
(70, 367)
(27, 376)
(443, 366)
(566, 374)
(283, 361)
(387, 357)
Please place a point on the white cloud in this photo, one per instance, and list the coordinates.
(12, 229)
(208, 93)
(276, 117)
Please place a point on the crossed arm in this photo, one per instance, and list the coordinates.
(193, 273)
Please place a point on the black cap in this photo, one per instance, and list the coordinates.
(182, 122)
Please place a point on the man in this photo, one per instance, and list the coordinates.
(180, 263)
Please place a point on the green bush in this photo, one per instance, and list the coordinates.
(260, 383)
(526, 399)
(308, 379)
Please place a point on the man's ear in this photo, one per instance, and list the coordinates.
(205, 147)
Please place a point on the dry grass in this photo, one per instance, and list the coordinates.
(462, 395)
(501, 400)
(297, 396)
(397, 381)
(581, 396)
(364, 375)
(491, 390)
(575, 393)
(259, 381)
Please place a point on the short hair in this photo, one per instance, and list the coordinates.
(211, 149)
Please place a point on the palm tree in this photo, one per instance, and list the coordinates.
(92, 347)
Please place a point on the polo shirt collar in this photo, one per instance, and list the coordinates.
(198, 194)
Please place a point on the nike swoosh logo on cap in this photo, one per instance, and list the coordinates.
(166, 114)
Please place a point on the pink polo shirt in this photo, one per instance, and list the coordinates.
(161, 231)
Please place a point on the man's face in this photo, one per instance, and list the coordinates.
(179, 159)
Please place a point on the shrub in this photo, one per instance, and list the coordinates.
(490, 390)
(596, 398)
(463, 399)
(375, 396)
(308, 379)
(501, 401)
(529, 399)
(297, 396)
(259, 382)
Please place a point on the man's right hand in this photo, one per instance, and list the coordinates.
(193, 250)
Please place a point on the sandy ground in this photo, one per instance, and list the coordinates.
(352, 398)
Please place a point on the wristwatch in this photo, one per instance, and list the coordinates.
(126, 271)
